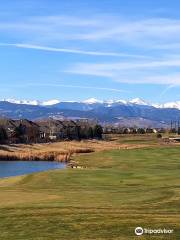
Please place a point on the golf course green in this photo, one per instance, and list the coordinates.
(117, 191)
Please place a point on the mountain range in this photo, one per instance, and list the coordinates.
(127, 113)
(137, 101)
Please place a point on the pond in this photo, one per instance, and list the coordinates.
(15, 168)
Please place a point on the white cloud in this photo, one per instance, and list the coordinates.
(172, 79)
(62, 20)
(132, 72)
(67, 50)
(76, 86)
(168, 88)
(59, 85)
(115, 66)
(137, 35)
(147, 32)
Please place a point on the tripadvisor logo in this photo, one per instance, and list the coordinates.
(139, 231)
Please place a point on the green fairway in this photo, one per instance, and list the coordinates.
(118, 191)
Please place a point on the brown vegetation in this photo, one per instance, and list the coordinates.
(60, 151)
(39, 152)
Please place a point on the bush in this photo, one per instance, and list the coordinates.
(159, 135)
(141, 131)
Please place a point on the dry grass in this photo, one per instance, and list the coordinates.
(58, 151)
(62, 151)
(40, 152)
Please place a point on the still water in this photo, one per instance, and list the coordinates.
(15, 168)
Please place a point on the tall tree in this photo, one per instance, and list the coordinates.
(3, 135)
(98, 131)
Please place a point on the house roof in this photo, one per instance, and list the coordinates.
(27, 123)
(8, 123)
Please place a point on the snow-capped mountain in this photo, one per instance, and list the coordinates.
(135, 112)
(91, 103)
(50, 102)
(168, 105)
(32, 102)
(139, 101)
(27, 102)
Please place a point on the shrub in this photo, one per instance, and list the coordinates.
(159, 135)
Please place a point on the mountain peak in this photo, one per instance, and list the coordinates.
(24, 101)
(138, 101)
(50, 102)
(92, 101)
(32, 102)
(169, 105)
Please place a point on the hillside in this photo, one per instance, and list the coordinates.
(133, 113)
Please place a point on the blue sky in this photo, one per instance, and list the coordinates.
(74, 50)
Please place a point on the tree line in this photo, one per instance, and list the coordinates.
(25, 131)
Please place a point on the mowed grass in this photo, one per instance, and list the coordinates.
(118, 191)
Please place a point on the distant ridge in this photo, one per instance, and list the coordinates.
(32, 102)
(93, 101)
(136, 112)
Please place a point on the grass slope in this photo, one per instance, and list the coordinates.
(120, 190)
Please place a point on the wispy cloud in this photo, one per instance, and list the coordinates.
(47, 33)
(59, 85)
(144, 33)
(89, 68)
(167, 89)
(67, 50)
(132, 72)
(152, 29)
(75, 86)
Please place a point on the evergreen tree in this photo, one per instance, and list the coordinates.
(178, 130)
(3, 135)
(19, 133)
(141, 131)
(98, 131)
(90, 132)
